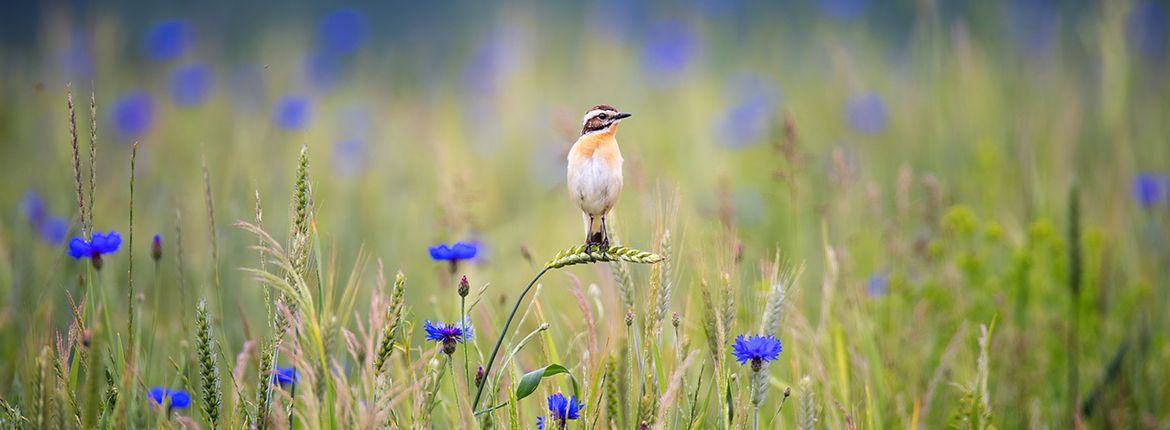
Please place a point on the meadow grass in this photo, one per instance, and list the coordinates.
(976, 262)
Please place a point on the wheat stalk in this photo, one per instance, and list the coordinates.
(212, 396)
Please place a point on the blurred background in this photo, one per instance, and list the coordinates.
(933, 145)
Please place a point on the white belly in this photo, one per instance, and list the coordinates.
(595, 187)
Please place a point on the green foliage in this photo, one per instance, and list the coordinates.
(531, 380)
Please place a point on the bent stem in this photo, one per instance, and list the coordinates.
(487, 371)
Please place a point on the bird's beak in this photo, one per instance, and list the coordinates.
(622, 115)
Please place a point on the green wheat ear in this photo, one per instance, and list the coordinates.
(583, 255)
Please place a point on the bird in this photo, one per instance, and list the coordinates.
(595, 171)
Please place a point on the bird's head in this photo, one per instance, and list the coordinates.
(601, 119)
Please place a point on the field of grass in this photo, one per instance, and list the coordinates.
(949, 215)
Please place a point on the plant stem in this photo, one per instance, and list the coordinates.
(466, 369)
(504, 332)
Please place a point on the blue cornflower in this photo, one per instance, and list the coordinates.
(51, 229)
(133, 113)
(560, 411)
(756, 349)
(54, 229)
(670, 48)
(1149, 189)
(96, 246)
(342, 32)
(450, 334)
(174, 399)
(456, 252)
(749, 117)
(292, 113)
(168, 40)
(33, 207)
(866, 113)
(286, 376)
(878, 285)
(190, 85)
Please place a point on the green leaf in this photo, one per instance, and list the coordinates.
(532, 379)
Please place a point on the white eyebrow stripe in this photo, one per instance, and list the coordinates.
(591, 114)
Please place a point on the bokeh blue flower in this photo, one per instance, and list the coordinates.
(671, 47)
(51, 229)
(878, 284)
(173, 399)
(560, 411)
(456, 252)
(168, 40)
(1146, 30)
(323, 70)
(749, 117)
(191, 84)
(756, 349)
(1150, 189)
(866, 113)
(292, 113)
(342, 32)
(133, 113)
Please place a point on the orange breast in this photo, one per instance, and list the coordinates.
(600, 145)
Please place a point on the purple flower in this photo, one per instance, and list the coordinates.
(342, 32)
(450, 334)
(168, 40)
(190, 85)
(561, 410)
(756, 349)
(292, 113)
(457, 252)
(133, 113)
(174, 399)
(866, 113)
(670, 48)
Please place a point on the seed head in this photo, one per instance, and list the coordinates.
(479, 376)
(629, 318)
(675, 319)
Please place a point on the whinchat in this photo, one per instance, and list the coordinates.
(595, 171)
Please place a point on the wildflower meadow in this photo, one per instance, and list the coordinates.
(842, 214)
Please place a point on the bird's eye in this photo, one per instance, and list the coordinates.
(602, 116)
